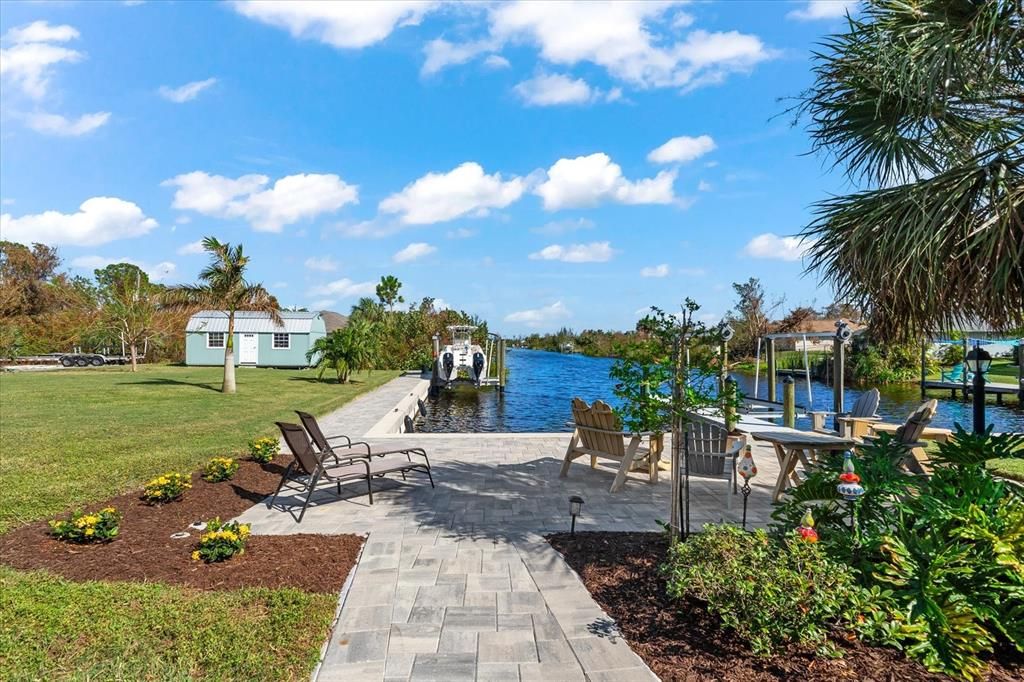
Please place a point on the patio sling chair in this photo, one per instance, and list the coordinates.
(711, 456)
(857, 422)
(909, 435)
(352, 448)
(599, 433)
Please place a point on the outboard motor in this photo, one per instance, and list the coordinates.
(478, 366)
(447, 366)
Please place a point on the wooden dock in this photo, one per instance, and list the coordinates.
(991, 388)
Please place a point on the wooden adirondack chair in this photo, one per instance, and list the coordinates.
(909, 434)
(599, 434)
(712, 456)
(857, 422)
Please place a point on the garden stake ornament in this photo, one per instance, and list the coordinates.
(806, 529)
(850, 489)
(747, 470)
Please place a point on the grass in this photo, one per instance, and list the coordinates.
(79, 436)
(53, 629)
(1002, 371)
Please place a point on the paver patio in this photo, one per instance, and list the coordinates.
(457, 582)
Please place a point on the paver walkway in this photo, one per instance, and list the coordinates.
(457, 582)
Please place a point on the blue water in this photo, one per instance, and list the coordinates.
(541, 386)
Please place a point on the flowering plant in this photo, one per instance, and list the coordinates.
(263, 449)
(166, 488)
(100, 526)
(220, 469)
(221, 541)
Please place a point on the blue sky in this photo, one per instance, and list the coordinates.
(539, 164)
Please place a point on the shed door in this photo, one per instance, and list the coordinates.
(248, 349)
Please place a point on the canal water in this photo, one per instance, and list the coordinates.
(541, 386)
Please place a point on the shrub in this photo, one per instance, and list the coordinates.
(101, 526)
(166, 488)
(947, 550)
(221, 541)
(769, 592)
(220, 469)
(263, 450)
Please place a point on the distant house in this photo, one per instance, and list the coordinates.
(259, 342)
(814, 327)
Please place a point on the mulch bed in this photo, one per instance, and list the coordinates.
(143, 550)
(679, 640)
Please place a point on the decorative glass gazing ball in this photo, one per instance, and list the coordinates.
(806, 529)
(746, 467)
(849, 482)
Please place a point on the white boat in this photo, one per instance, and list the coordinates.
(461, 359)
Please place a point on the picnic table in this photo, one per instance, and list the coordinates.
(793, 447)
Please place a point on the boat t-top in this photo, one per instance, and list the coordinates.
(461, 359)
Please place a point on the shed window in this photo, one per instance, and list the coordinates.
(282, 341)
(214, 339)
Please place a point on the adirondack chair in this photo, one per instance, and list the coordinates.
(711, 455)
(909, 434)
(599, 434)
(857, 422)
(955, 375)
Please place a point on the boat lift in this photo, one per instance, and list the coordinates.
(464, 363)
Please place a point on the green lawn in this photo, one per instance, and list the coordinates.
(79, 436)
(52, 628)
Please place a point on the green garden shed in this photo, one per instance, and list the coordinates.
(259, 341)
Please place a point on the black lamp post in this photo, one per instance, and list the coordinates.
(978, 361)
(575, 509)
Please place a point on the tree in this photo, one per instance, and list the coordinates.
(24, 276)
(751, 318)
(922, 104)
(223, 287)
(347, 350)
(129, 304)
(387, 291)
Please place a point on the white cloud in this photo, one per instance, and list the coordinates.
(157, 273)
(771, 246)
(441, 304)
(824, 9)
(589, 180)
(55, 124)
(548, 90)
(460, 233)
(621, 37)
(441, 54)
(99, 220)
(539, 316)
(557, 227)
(354, 24)
(413, 251)
(192, 248)
(344, 288)
(704, 186)
(28, 62)
(437, 197)
(322, 304)
(185, 93)
(594, 252)
(324, 264)
(496, 61)
(655, 271)
(682, 149)
(291, 199)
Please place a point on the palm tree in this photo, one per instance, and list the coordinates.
(347, 350)
(922, 104)
(223, 287)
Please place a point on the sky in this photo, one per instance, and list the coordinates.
(539, 164)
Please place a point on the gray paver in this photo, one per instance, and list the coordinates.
(476, 542)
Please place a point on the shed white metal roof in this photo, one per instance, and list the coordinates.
(249, 322)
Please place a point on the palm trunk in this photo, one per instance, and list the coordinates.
(229, 356)
(134, 353)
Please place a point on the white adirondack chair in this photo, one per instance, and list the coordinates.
(711, 455)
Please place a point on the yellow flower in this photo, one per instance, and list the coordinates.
(195, 555)
(89, 531)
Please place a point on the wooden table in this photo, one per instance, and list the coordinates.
(793, 447)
